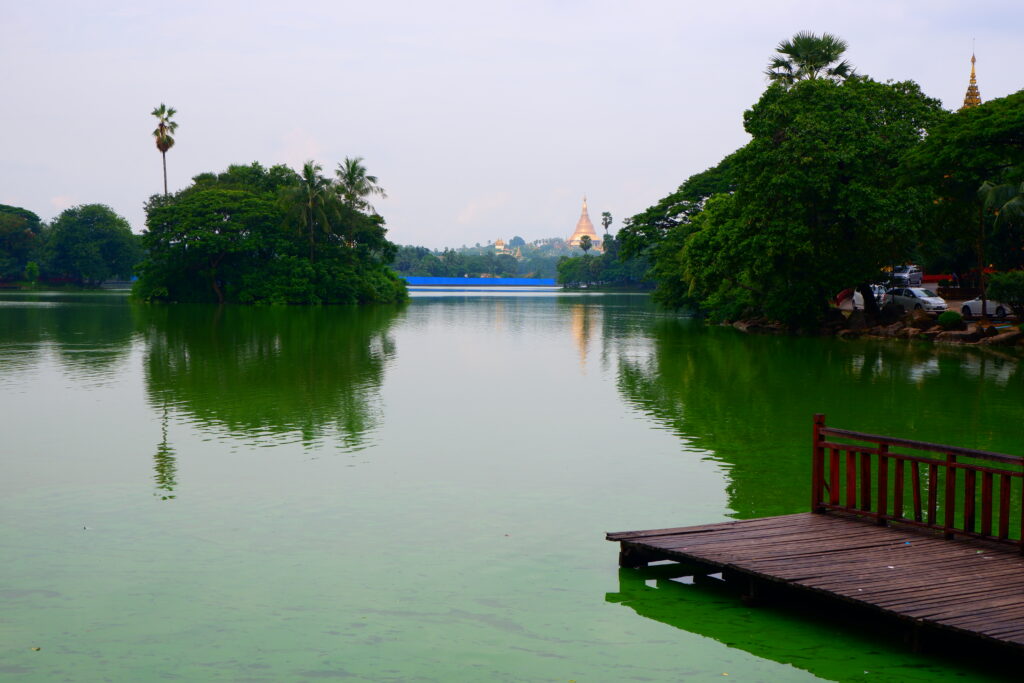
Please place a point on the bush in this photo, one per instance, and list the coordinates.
(950, 320)
(1008, 287)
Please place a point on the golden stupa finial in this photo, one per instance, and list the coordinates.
(973, 96)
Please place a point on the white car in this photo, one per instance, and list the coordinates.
(972, 308)
(919, 298)
(858, 298)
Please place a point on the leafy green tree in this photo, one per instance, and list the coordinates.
(816, 208)
(642, 232)
(1004, 203)
(354, 184)
(163, 134)
(586, 243)
(252, 178)
(963, 151)
(809, 56)
(90, 244)
(1008, 287)
(606, 220)
(1003, 206)
(21, 238)
(207, 237)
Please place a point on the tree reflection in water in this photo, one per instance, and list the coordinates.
(165, 464)
(747, 400)
(267, 376)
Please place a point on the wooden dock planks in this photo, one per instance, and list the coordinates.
(972, 587)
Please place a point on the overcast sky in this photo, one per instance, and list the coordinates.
(481, 119)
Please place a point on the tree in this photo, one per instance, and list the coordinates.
(586, 243)
(809, 56)
(354, 184)
(205, 240)
(965, 150)
(1004, 205)
(90, 244)
(816, 207)
(311, 204)
(165, 127)
(640, 233)
(1008, 287)
(20, 240)
(606, 220)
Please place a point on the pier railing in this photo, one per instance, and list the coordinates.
(959, 491)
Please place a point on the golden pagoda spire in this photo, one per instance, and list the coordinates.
(973, 97)
(585, 227)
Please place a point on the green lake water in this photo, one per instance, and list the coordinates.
(421, 493)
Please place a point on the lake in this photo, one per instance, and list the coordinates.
(421, 493)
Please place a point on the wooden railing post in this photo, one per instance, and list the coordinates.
(889, 499)
(818, 465)
(949, 501)
(882, 494)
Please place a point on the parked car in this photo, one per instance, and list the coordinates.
(972, 308)
(910, 298)
(907, 276)
(858, 299)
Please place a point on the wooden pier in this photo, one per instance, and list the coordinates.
(920, 532)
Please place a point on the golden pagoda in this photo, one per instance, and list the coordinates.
(585, 227)
(973, 97)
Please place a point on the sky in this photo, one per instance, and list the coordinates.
(480, 119)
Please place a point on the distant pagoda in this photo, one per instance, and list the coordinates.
(585, 227)
(973, 97)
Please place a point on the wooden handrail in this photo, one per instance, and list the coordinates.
(870, 479)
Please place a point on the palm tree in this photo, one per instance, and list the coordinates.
(585, 244)
(311, 204)
(1006, 202)
(807, 56)
(354, 185)
(164, 128)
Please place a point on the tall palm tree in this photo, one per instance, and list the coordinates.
(164, 128)
(807, 56)
(311, 204)
(1005, 202)
(354, 184)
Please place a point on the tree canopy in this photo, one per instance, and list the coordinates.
(962, 153)
(90, 244)
(20, 240)
(809, 56)
(815, 206)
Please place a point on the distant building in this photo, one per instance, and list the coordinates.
(499, 247)
(585, 227)
(973, 96)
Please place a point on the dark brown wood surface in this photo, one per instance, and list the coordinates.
(965, 585)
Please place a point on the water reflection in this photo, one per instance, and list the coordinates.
(747, 400)
(842, 646)
(268, 375)
(585, 319)
(165, 464)
(91, 341)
